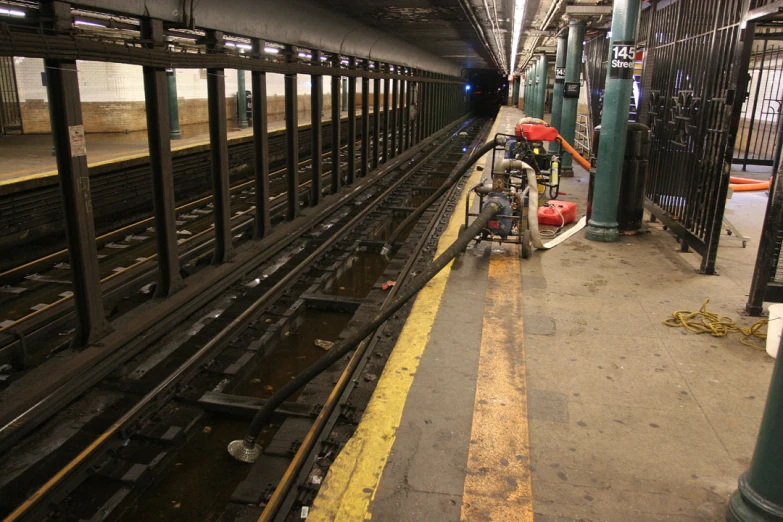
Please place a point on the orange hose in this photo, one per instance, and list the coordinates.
(569, 149)
(743, 181)
(747, 187)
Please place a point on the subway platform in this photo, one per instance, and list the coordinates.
(549, 389)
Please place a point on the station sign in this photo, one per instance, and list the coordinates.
(571, 90)
(623, 60)
(559, 74)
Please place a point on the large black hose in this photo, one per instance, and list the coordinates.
(455, 177)
(247, 450)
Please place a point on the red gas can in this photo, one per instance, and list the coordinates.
(549, 216)
(536, 132)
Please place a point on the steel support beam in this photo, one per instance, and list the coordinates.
(158, 135)
(62, 85)
(316, 132)
(405, 95)
(174, 131)
(376, 119)
(336, 124)
(576, 36)
(241, 100)
(759, 497)
(614, 123)
(351, 174)
(263, 223)
(557, 93)
(515, 91)
(365, 125)
(542, 82)
(218, 144)
(394, 117)
(386, 136)
(291, 141)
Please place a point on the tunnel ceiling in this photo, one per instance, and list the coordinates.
(444, 28)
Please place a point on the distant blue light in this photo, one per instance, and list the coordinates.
(467, 88)
(464, 149)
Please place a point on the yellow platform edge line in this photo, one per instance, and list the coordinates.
(352, 481)
(498, 481)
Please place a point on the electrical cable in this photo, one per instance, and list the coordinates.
(716, 325)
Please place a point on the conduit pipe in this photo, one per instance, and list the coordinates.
(487, 147)
(247, 449)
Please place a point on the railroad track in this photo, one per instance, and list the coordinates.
(146, 409)
(35, 300)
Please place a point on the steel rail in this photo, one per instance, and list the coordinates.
(222, 338)
(338, 393)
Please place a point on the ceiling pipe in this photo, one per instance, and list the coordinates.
(467, 6)
(554, 10)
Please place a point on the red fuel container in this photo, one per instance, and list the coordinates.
(536, 132)
(549, 216)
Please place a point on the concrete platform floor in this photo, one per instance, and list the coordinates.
(30, 155)
(549, 389)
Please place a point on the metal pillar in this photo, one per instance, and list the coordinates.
(365, 124)
(536, 80)
(292, 141)
(530, 77)
(158, 129)
(405, 102)
(62, 85)
(316, 130)
(174, 131)
(263, 224)
(394, 116)
(344, 91)
(336, 123)
(759, 497)
(218, 144)
(386, 136)
(542, 82)
(614, 121)
(241, 100)
(557, 93)
(376, 118)
(515, 91)
(351, 174)
(576, 36)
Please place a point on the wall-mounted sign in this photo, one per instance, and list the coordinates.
(623, 60)
(571, 90)
(538, 79)
(559, 74)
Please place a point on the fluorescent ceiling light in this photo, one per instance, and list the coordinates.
(271, 50)
(92, 24)
(519, 12)
(12, 12)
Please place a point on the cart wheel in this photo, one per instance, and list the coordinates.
(526, 248)
(462, 229)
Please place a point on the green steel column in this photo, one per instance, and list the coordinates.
(557, 94)
(614, 120)
(534, 86)
(241, 100)
(541, 96)
(174, 131)
(537, 87)
(528, 101)
(576, 36)
(759, 497)
(515, 92)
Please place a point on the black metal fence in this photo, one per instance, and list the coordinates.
(692, 68)
(596, 56)
(758, 130)
(10, 114)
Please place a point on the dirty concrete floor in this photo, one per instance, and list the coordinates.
(629, 420)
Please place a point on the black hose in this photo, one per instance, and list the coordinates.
(487, 147)
(247, 450)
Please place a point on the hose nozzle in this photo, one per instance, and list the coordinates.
(244, 450)
(386, 250)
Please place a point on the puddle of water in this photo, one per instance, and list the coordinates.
(357, 281)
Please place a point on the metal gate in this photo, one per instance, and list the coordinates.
(596, 56)
(10, 113)
(758, 130)
(695, 63)
(767, 284)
